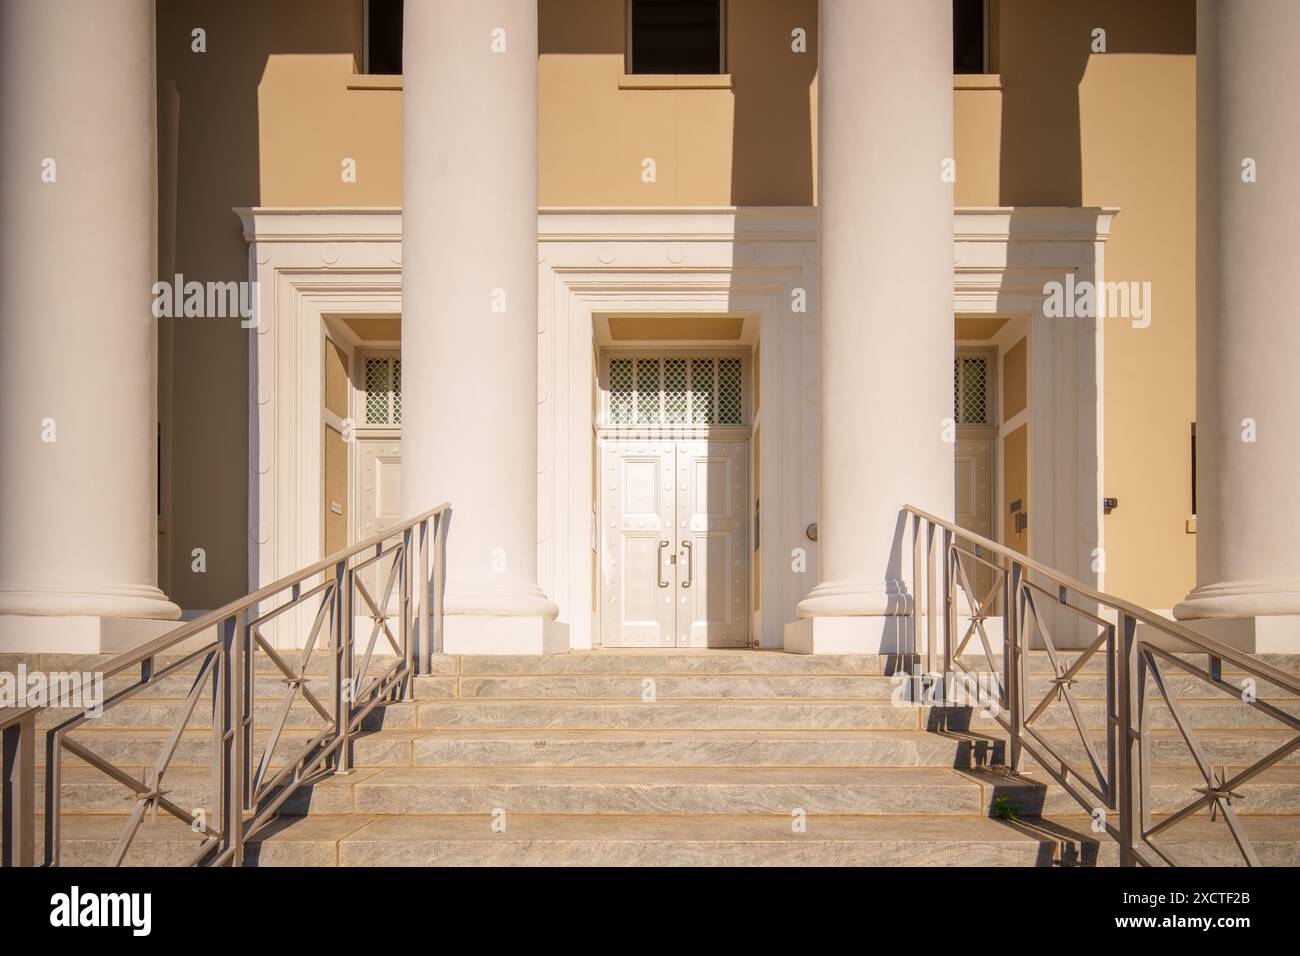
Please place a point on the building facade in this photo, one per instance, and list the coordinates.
(677, 305)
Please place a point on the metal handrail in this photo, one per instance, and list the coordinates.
(246, 797)
(1120, 779)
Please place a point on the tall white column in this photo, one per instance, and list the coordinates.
(78, 363)
(469, 303)
(1248, 338)
(886, 208)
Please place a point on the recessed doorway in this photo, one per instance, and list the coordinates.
(674, 500)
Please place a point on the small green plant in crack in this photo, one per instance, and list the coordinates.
(1004, 809)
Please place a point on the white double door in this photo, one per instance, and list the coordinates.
(674, 544)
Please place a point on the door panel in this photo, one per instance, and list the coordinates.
(674, 551)
(381, 507)
(712, 517)
(974, 503)
(636, 521)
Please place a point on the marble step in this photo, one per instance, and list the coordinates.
(772, 841)
(923, 791)
(1040, 662)
(162, 714)
(633, 663)
(132, 750)
(731, 840)
(817, 714)
(271, 688)
(704, 715)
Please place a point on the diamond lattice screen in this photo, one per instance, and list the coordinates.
(676, 391)
(970, 390)
(383, 391)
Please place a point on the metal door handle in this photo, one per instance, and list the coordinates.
(659, 568)
(690, 564)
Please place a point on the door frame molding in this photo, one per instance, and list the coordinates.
(677, 434)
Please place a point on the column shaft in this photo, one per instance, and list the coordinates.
(1248, 341)
(885, 91)
(78, 340)
(469, 295)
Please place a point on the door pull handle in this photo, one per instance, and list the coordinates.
(659, 566)
(690, 563)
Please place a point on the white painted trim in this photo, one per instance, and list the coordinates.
(309, 265)
(737, 261)
(698, 261)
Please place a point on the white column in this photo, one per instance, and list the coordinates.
(1248, 338)
(469, 303)
(886, 248)
(78, 362)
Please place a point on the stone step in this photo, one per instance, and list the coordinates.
(730, 840)
(705, 715)
(271, 688)
(818, 714)
(634, 663)
(1225, 714)
(678, 663)
(134, 750)
(922, 791)
(163, 714)
(668, 687)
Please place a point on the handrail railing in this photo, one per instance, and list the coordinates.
(403, 566)
(1034, 598)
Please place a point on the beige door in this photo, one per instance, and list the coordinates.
(378, 462)
(674, 543)
(379, 482)
(974, 475)
(974, 501)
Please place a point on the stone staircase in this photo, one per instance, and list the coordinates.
(660, 758)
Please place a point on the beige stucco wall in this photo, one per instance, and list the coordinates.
(1119, 129)
(748, 145)
(266, 117)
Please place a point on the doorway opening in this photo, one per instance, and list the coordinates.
(674, 437)
(362, 422)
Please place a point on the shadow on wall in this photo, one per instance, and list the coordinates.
(1051, 41)
(771, 142)
(208, 163)
(772, 158)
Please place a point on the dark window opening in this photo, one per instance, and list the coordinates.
(675, 36)
(1193, 469)
(970, 36)
(383, 37)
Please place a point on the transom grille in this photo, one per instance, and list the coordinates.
(383, 390)
(676, 391)
(971, 390)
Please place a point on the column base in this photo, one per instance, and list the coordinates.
(865, 634)
(1263, 634)
(77, 633)
(492, 634)
(76, 600)
(1279, 597)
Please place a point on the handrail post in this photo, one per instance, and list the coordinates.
(1012, 661)
(439, 573)
(231, 712)
(931, 603)
(422, 592)
(949, 604)
(916, 594)
(19, 780)
(1128, 800)
(408, 618)
(343, 688)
